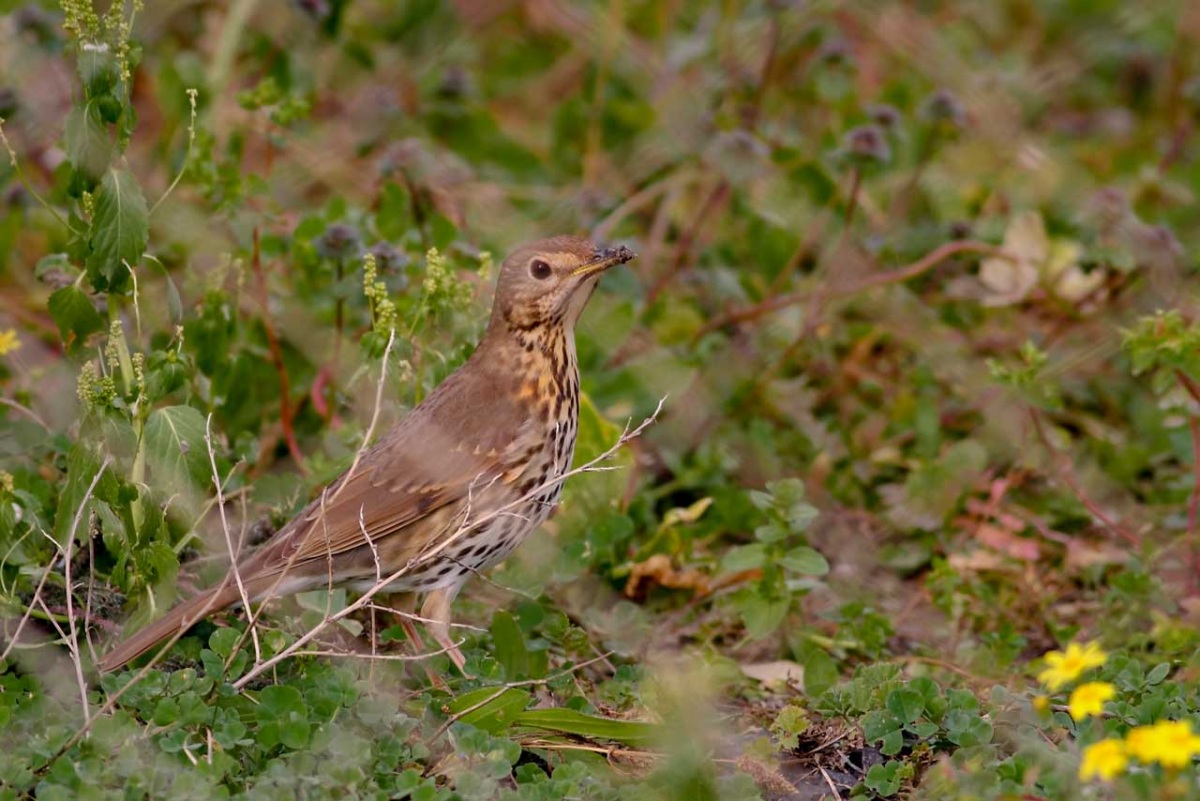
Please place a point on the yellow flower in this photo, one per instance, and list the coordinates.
(1170, 743)
(1088, 699)
(1064, 668)
(1104, 760)
(1041, 704)
(9, 341)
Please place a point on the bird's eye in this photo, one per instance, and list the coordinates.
(539, 269)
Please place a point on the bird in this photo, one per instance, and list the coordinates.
(457, 484)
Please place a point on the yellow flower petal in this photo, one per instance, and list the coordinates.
(9, 341)
(1170, 743)
(1062, 668)
(1088, 699)
(1104, 760)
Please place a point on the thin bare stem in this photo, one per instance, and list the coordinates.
(1067, 474)
(925, 263)
(234, 553)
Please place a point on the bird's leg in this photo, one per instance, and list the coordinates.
(436, 611)
(402, 603)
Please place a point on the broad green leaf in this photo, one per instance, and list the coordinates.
(98, 67)
(967, 728)
(82, 466)
(89, 146)
(762, 615)
(1157, 674)
(570, 721)
(884, 780)
(119, 230)
(175, 450)
(509, 642)
(805, 560)
(905, 704)
(499, 711)
(596, 434)
(74, 315)
(820, 671)
(744, 557)
(879, 724)
(283, 717)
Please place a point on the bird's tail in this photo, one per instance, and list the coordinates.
(176, 621)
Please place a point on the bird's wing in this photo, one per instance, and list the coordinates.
(452, 446)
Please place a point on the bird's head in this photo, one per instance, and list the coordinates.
(548, 282)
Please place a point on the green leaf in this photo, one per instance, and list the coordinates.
(820, 672)
(761, 614)
(174, 303)
(74, 315)
(884, 779)
(222, 641)
(81, 469)
(744, 557)
(119, 230)
(907, 705)
(805, 560)
(494, 716)
(966, 728)
(283, 717)
(97, 67)
(1158, 673)
(789, 724)
(596, 434)
(570, 721)
(509, 642)
(89, 147)
(878, 724)
(173, 441)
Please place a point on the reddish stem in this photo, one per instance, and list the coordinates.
(1067, 474)
(900, 275)
(1193, 517)
(285, 387)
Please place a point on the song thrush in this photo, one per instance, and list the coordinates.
(459, 482)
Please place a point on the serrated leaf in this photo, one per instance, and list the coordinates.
(570, 721)
(74, 315)
(55, 270)
(119, 231)
(173, 440)
(89, 147)
(97, 67)
(82, 466)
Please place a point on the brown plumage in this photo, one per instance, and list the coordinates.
(459, 482)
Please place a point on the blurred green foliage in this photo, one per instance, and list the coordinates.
(916, 282)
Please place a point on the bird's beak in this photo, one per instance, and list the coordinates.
(603, 259)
